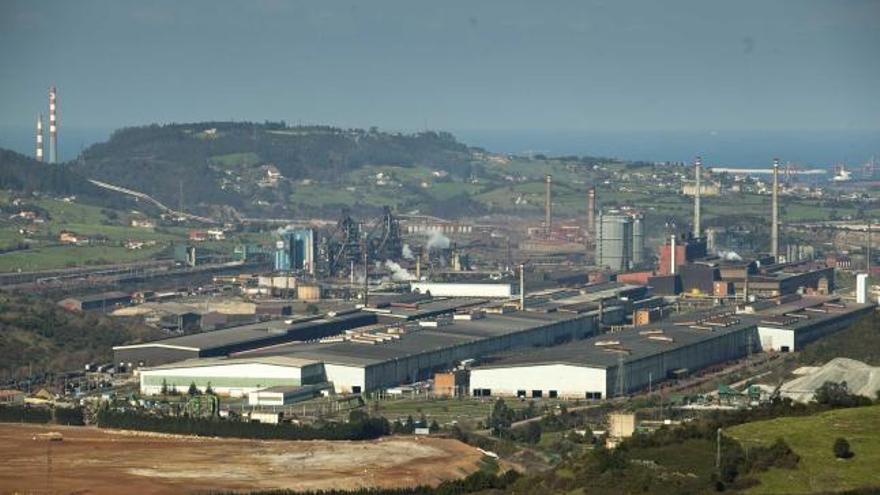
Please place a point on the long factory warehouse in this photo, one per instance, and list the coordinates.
(789, 326)
(591, 369)
(549, 350)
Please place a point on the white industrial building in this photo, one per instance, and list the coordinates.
(789, 326)
(284, 394)
(458, 289)
(363, 363)
(234, 377)
(590, 369)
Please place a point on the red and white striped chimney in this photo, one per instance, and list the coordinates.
(53, 126)
(39, 152)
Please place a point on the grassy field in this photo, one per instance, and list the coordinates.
(444, 411)
(236, 159)
(691, 458)
(812, 438)
(45, 258)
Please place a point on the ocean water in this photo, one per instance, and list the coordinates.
(822, 149)
(742, 149)
(71, 140)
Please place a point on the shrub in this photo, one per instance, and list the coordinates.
(778, 455)
(841, 449)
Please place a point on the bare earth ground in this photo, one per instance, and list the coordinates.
(93, 461)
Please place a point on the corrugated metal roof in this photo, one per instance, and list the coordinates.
(632, 344)
(419, 341)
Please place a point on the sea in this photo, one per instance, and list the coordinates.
(738, 149)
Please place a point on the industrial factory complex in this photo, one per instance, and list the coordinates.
(553, 349)
(423, 313)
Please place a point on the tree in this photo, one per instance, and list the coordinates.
(435, 427)
(164, 390)
(313, 309)
(532, 433)
(501, 418)
(209, 390)
(838, 395)
(841, 449)
(357, 416)
(193, 389)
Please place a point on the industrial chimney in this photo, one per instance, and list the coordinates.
(39, 152)
(522, 287)
(591, 211)
(547, 206)
(774, 234)
(53, 127)
(698, 166)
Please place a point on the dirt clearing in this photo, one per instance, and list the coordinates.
(93, 461)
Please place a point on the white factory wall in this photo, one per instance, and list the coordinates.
(568, 381)
(774, 339)
(265, 398)
(463, 290)
(346, 379)
(422, 366)
(280, 398)
(227, 379)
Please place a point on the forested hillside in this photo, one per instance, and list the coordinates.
(225, 163)
(22, 173)
(38, 335)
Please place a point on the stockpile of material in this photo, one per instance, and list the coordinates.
(860, 378)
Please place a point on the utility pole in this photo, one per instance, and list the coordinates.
(718, 449)
(868, 250)
(366, 275)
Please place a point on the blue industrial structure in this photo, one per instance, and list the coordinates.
(295, 251)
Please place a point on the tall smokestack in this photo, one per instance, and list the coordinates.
(672, 259)
(53, 126)
(698, 168)
(591, 211)
(522, 287)
(39, 151)
(547, 206)
(774, 234)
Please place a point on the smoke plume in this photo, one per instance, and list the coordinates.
(407, 252)
(398, 273)
(436, 240)
(729, 255)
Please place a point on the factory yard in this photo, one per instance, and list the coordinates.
(94, 461)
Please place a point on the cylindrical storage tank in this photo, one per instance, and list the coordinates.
(638, 240)
(308, 292)
(614, 241)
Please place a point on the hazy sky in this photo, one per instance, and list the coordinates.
(579, 65)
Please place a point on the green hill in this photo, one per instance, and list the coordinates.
(37, 335)
(22, 173)
(812, 437)
(859, 341)
(227, 163)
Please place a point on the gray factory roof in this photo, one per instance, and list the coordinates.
(221, 361)
(429, 308)
(420, 340)
(101, 296)
(632, 344)
(807, 313)
(604, 290)
(235, 335)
